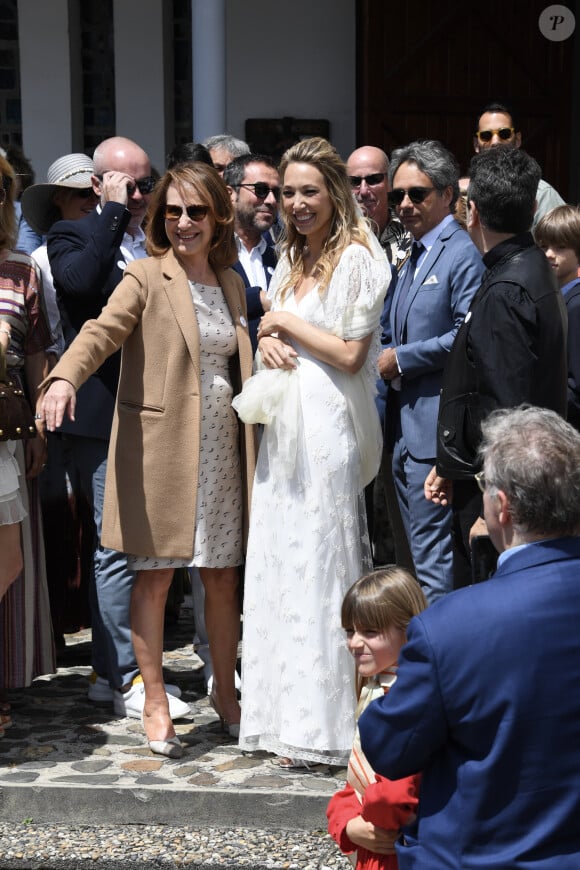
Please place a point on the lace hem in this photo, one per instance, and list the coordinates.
(269, 743)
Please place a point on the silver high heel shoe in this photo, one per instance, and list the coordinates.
(171, 747)
(233, 728)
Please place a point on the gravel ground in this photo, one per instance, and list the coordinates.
(132, 847)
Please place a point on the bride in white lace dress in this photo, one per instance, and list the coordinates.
(321, 445)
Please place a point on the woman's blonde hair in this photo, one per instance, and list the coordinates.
(211, 191)
(385, 599)
(347, 224)
(8, 227)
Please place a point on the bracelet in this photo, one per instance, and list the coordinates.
(39, 417)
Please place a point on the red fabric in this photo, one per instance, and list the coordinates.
(387, 804)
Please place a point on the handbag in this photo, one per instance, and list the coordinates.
(16, 417)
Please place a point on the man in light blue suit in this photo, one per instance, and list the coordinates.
(487, 698)
(430, 300)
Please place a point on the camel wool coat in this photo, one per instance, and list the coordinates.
(153, 462)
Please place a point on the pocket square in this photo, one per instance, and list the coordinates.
(432, 279)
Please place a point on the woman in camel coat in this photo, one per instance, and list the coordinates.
(179, 470)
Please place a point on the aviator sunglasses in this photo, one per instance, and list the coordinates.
(415, 194)
(504, 134)
(261, 190)
(194, 212)
(371, 180)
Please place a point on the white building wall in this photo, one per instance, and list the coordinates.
(282, 59)
(143, 75)
(49, 51)
(292, 59)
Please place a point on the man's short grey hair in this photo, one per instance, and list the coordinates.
(533, 455)
(235, 147)
(432, 158)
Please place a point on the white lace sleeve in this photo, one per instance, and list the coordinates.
(357, 290)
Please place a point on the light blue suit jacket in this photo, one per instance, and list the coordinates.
(487, 706)
(434, 309)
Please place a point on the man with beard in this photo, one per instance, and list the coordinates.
(254, 186)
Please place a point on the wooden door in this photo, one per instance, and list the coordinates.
(426, 69)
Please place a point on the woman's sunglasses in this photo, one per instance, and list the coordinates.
(415, 194)
(504, 134)
(193, 212)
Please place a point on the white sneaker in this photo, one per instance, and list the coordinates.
(131, 703)
(100, 692)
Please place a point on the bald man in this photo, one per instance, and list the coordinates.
(367, 168)
(87, 258)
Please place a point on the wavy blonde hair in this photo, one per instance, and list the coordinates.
(7, 216)
(347, 224)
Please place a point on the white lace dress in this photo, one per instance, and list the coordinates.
(308, 540)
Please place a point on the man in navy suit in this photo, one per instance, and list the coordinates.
(431, 298)
(87, 259)
(254, 186)
(487, 698)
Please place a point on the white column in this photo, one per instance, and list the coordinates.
(143, 78)
(208, 46)
(49, 44)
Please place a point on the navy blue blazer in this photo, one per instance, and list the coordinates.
(487, 706)
(87, 264)
(431, 315)
(255, 310)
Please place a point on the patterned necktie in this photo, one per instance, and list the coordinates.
(406, 284)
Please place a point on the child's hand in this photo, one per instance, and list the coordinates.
(371, 837)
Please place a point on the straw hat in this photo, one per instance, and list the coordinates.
(73, 171)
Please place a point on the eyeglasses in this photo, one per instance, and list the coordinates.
(504, 134)
(371, 180)
(415, 194)
(261, 190)
(144, 185)
(480, 480)
(194, 212)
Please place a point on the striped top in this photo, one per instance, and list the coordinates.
(22, 306)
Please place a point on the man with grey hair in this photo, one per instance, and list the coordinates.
(487, 699)
(223, 148)
(431, 298)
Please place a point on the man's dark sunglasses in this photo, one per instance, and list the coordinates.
(415, 194)
(504, 134)
(145, 185)
(261, 190)
(371, 180)
(193, 212)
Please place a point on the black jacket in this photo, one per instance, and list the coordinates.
(510, 349)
